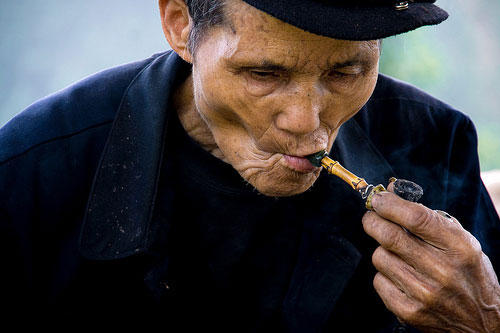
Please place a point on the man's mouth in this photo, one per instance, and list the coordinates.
(299, 164)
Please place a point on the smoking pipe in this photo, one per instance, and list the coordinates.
(406, 189)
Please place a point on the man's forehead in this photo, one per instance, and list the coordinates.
(260, 38)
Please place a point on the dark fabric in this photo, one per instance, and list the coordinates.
(49, 156)
(353, 20)
(132, 151)
(230, 248)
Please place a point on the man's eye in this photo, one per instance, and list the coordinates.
(264, 74)
(344, 74)
(335, 74)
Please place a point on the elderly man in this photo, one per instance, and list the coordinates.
(176, 190)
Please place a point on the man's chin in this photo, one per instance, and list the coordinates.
(285, 187)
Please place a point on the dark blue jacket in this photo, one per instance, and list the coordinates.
(78, 180)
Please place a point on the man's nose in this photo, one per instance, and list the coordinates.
(300, 111)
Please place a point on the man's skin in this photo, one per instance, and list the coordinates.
(263, 94)
(264, 97)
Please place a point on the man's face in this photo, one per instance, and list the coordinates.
(271, 94)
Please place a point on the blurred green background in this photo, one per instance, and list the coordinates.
(47, 45)
(458, 62)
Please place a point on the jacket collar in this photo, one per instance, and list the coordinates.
(121, 202)
(122, 197)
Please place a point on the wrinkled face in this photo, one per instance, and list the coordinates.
(271, 94)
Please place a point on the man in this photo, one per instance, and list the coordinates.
(176, 189)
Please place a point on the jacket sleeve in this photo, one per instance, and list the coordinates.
(16, 241)
(466, 195)
(43, 192)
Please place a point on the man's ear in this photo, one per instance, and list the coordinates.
(176, 24)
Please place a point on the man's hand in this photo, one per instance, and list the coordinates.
(432, 272)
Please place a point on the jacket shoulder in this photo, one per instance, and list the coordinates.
(86, 104)
(397, 102)
(389, 88)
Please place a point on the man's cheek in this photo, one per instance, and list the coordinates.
(216, 110)
(240, 112)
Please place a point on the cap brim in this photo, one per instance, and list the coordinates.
(352, 23)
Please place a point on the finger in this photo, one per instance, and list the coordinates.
(393, 238)
(390, 186)
(404, 276)
(421, 221)
(394, 298)
(426, 259)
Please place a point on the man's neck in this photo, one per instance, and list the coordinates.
(191, 119)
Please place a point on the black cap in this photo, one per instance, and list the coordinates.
(354, 20)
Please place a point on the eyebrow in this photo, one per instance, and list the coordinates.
(270, 65)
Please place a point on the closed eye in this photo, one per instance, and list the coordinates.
(264, 74)
(346, 73)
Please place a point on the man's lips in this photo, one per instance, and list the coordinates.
(299, 164)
